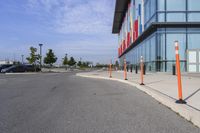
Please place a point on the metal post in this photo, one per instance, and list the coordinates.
(40, 55)
(136, 69)
(173, 69)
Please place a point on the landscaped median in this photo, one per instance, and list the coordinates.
(162, 87)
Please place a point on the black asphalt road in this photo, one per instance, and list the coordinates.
(64, 103)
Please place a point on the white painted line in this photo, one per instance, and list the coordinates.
(20, 73)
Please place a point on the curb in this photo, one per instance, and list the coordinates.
(20, 73)
(185, 111)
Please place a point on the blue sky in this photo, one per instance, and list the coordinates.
(81, 28)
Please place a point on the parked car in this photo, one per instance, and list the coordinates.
(32, 68)
(21, 68)
(14, 68)
(4, 66)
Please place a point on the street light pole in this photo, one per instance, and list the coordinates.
(22, 59)
(40, 55)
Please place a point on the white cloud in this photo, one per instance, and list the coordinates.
(91, 19)
(77, 16)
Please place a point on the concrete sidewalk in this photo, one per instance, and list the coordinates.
(163, 87)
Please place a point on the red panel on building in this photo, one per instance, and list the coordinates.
(124, 45)
(136, 29)
(129, 40)
(121, 50)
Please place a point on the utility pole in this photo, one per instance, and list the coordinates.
(40, 55)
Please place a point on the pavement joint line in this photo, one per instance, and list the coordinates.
(185, 111)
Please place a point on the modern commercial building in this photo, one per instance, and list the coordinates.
(149, 28)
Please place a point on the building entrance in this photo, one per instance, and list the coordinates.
(193, 58)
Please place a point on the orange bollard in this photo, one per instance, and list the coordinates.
(110, 69)
(142, 70)
(125, 71)
(178, 68)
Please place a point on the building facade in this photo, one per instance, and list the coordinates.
(148, 28)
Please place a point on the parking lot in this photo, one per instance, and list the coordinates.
(65, 103)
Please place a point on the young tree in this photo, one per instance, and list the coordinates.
(71, 62)
(33, 56)
(79, 63)
(65, 60)
(50, 57)
(116, 63)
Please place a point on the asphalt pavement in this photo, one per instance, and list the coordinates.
(65, 103)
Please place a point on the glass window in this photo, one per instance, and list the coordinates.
(161, 17)
(161, 5)
(176, 5)
(194, 30)
(147, 11)
(137, 55)
(194, 17)
(161, 46)
(143, 51)
(153, 19)
(152, 7)
(176, 30)
(170, 64)
(171, 48)
(192, 68)
(153, 49)
(134, 56)
(193, 41)
(176, 17)
(193, 5)
(199, 61)
(147, 51)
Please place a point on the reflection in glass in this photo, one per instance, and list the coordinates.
(193, 5)
(194, 17)
(161, 5)
(181, 38)
(176, 17)
(176, 5)
(193, 41)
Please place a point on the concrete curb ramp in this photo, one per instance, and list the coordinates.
(183, 110)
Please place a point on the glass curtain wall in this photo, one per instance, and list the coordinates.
(178, 10)
(132, 25)
(150, 12)
(158, 49)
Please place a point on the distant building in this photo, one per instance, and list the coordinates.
(2, 62)
(149, 28)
